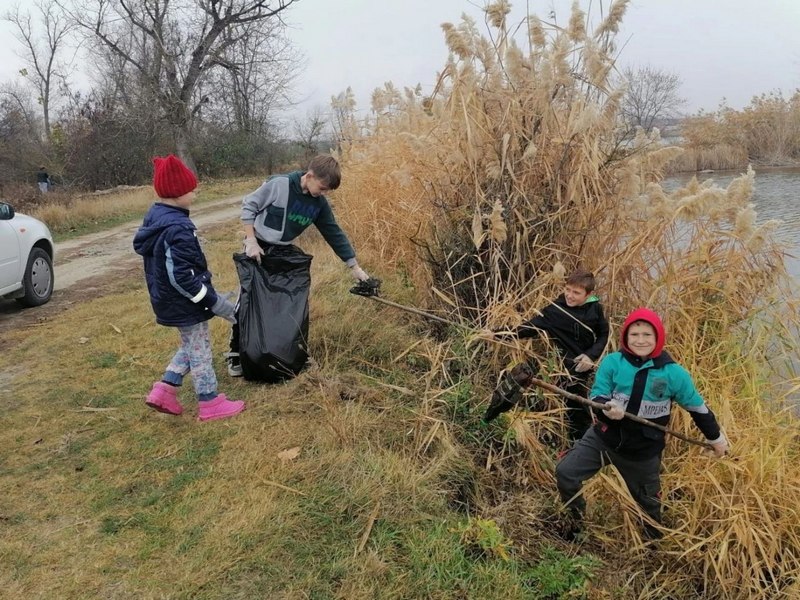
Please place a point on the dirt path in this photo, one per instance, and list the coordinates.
(97, 260)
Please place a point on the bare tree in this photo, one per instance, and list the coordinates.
(310, 131)
(173, 45)
(653, 95)
(20, 134)
(40, 54)
(259, 68)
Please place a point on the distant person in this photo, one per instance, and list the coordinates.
(280, 210)
(643, 380)
(181, 293)
(576, 324)
(43, 180)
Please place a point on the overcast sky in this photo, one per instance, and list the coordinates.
(720, 48)
(729, 49)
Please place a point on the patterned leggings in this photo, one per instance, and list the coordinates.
(194, 355)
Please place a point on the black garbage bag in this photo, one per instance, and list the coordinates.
(273, 313)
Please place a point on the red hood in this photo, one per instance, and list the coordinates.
(645, 314)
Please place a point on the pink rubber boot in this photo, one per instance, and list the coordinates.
(219, 408)
(164, 398)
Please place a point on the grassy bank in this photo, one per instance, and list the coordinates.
(368, 476)
(338, 484)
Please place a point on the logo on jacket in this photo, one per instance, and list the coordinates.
(304, 214)
(658, 387)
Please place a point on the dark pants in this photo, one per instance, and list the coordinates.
(579, 416)
(234, 341)
(588, 456)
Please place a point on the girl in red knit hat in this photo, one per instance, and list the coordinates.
(181, 293)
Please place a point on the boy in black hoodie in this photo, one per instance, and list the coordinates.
(576, 323)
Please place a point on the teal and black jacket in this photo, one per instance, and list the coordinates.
(280, 211)
(646, 387)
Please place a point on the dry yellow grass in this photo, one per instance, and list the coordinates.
(484, 193)
(85, 212)
(766, 132)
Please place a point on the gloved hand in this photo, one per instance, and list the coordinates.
(252, 249)
(583, 363)
(224, 308)
(614, 410)
(720, 445)
(358, 273)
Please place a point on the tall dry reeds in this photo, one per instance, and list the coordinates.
(512, 172)
(765, 132)
(720, 157)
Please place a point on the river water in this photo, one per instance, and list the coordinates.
(776, 196)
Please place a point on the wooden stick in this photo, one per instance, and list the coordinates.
(544, 384)
(365, 536)
(601, 406)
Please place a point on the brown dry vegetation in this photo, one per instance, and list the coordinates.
(766, 132)
(472, 203)
(68, 213)
(482, 195)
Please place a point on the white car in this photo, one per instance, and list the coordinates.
(26, 258)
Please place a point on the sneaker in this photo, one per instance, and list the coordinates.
(234, 365)
(219, 408)
(164, 398)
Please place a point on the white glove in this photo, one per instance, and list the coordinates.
(358, 273)
(251, 248)
(614, 410)
(720, 445)
(583, 363)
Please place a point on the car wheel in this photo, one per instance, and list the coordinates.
(38, 279)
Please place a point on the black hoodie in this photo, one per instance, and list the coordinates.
(575, 329)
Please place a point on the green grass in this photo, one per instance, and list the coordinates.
(118, 501)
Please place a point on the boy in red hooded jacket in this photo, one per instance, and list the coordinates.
(643, 380)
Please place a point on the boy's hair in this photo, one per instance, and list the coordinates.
(582, 278)
(327, 170)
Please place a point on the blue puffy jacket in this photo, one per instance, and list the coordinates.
(175, 267)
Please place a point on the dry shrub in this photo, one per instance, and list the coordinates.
(511, 173)
(716, 158)
(65, 214)
(765, 132)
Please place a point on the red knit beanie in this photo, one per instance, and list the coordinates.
(171, 178)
